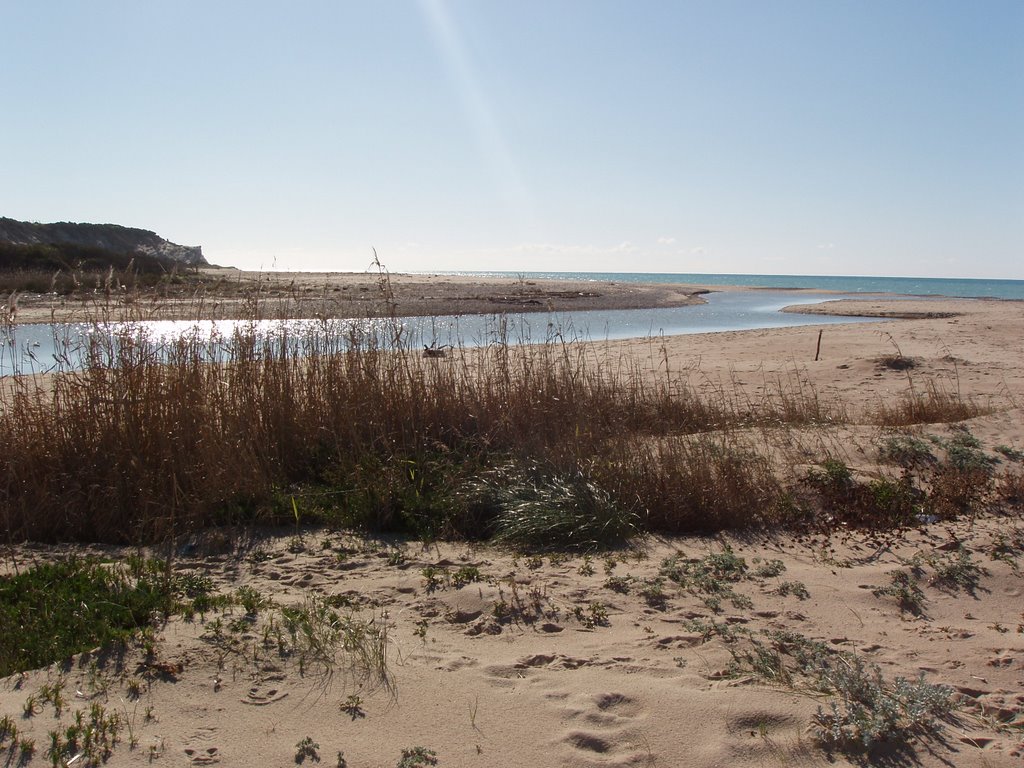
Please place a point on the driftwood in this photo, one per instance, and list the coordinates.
(436, 351)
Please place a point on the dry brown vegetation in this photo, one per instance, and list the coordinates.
(147, 439)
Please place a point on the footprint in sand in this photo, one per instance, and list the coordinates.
(609, 730)
(262, 695)
(197, 753)
(207, 756)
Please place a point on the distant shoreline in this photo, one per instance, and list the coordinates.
(229, 293)
(226, 293)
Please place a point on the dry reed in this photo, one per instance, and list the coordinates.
(139, 439)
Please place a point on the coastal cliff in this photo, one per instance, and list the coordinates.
(109, 237)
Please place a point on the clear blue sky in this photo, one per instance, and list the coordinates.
(815, 137)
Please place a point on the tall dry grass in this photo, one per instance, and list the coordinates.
(144, 439)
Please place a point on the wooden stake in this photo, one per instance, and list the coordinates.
(817, 352)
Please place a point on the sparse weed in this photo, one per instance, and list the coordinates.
(353, 707)
(416, 757)
(769, 570)
(1006, 548)
(795, 588)
(467, 574)
(863, 708)
(653, 593)
(433, 578)
(595, 615)
(907, 451)
(709, 578)
(251, 600)
(320, 636)
(933, 405)
(905, 588)
(1013, 454)
(307, 749)
(618, 584)
(956, 570)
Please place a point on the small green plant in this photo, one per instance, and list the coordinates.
(795, 588)
(251, 600)
(53, 693)
(55, 752)
(956, 570)
(26, 749)
(864, 708)
(353, 707)
(467, 574)
(904, 586)
(907, 451)
(653, 593)
(396, 557)
(587, 567)
(307, 749)
(421, 629)
(769, 570)
(833, 477)
(1013, 454)
(535, 508)
(618, 584)
(433, 578)
(31, 707)
(965, 453)
(709, 578)
(8, 730)
(415, 757)
(595, 615)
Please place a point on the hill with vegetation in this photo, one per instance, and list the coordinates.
(106, 244)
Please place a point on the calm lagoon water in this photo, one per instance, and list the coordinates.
(44, 347)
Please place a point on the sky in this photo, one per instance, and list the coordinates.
(859, 137)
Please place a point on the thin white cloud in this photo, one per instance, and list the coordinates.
(570, 249)
(666, 241)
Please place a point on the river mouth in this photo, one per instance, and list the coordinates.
(45, 347)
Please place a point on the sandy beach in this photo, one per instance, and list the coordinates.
(499, 658)
(228, 293)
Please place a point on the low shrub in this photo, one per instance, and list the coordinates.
(54, 610)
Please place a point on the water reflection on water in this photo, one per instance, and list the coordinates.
(46, 347)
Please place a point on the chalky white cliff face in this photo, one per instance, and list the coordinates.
(112, 237)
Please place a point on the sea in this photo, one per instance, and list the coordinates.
(909, 286)
(35, 348)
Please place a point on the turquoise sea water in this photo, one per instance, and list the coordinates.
(913, 286)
